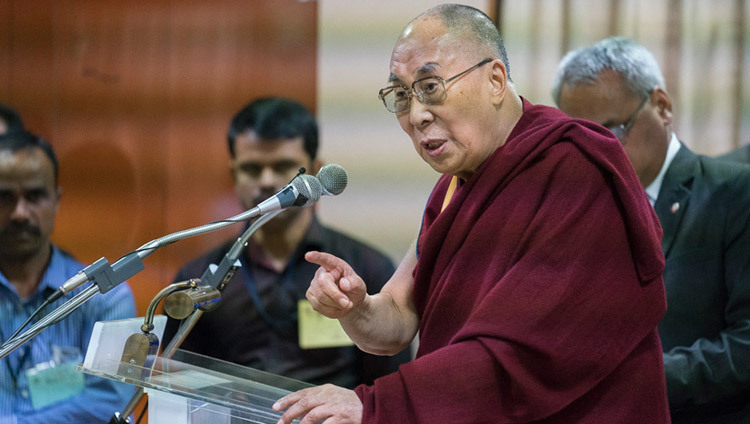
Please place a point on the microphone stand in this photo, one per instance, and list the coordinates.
(106, 277)
(214, 276)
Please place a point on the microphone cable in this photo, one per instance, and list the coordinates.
(41, 307)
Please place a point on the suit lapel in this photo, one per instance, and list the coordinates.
(674, 195)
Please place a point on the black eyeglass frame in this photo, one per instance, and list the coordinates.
(620, 131)
(411, 91)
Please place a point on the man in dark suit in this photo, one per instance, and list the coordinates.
(703, 205)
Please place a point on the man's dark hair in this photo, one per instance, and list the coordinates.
(275, 118)
(22, 139)
(11, 118)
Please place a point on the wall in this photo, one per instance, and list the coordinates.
(702, 47)
(136, 98)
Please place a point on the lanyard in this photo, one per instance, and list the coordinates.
(25, 350)
(25, 354)
(281, 324)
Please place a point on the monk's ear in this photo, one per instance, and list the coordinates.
(498, 81)
(663, 105)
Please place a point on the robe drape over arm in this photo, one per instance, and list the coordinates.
(539, 290)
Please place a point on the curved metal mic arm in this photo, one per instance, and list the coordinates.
(106, 277)
(148, 319)
(303, 188)
(217, 277)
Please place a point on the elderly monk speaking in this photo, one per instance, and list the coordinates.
(535, 283)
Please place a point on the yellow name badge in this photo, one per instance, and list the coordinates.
(317, 331)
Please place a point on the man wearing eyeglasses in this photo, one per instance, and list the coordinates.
(704, 207)
(535, 282)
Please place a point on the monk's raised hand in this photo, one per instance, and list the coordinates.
(335, 289)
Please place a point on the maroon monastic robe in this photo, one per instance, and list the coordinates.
(538, 289)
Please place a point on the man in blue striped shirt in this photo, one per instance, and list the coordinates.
(38, 383)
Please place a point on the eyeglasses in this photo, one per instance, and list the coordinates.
(429, 90)
(620, 131)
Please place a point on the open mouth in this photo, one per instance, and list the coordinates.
(432, 145)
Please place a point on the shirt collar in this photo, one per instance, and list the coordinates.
(652, 191)
(54, 275)
(316, 238)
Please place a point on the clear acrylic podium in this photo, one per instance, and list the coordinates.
(194, 389)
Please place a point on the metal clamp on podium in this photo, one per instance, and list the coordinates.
(181, 300)
(187, 305)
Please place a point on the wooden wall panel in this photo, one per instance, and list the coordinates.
(136, 97)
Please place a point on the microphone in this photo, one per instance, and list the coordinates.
(310, 189)
(303, 191)
(333, 178)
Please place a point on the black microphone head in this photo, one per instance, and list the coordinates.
(309, 189)
(333, 178)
